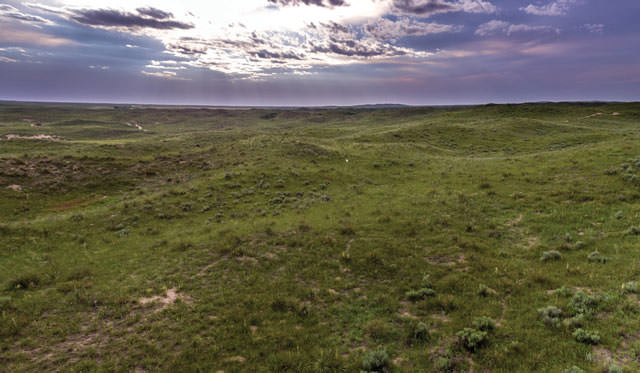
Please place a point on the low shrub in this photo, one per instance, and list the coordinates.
(375, 361)
(596, 257)
(484, 290)
(484, 323)
(550, 315)
(633, 231)
(550, 255)
(585, 336)
(574, 322)
(471, 339)
(582, 303)
(25, 282)
(630, 288)
(613, 368)
(419, 333)
(416, 295)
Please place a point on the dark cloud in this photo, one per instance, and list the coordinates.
(423, 7)
(322, 3)
(116, 18)
(351, 48)
(277, 55)
(155, 13)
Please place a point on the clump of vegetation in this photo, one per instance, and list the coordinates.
(583, 303)
(550, 255)
(423, 292)
(25, 282)
(633, 231)
(574, 322)
(585, 336)
(416, 295)
(631, 287)
(376, 361)
(419, 333)
(471, 339)
(550, 315)
(613, 368)
(484, 323)
(596, 257)
(485, 291)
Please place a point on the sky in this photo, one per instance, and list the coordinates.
(319, 52)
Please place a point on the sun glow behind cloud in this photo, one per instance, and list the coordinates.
(323, 47)
(256, 38)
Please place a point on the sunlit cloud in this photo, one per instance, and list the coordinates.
(554, 8)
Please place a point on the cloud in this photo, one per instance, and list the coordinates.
(145, 18)
(497, 27)
(555, 8)
(93, 67)
(386, 29)
(321, 3)
(154, 13)
(427, 8)
(19, 37)
(170, 75)
(594, 28)
(8, 11)
(258, 55)
(7, 59)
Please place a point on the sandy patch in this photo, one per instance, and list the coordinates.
(235, 359)
(593, 115)
(515, 221)
(34, 137)
(167, 300)
(15, 187)
(139, 127)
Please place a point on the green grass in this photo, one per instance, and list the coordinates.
(320, 240)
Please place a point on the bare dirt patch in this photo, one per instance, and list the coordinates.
(33, 137)
(515, 221)
(593, 115)
(165, 301)
(15, 187)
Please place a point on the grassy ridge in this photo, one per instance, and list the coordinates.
(320, 240)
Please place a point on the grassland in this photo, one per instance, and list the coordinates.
(500, 238)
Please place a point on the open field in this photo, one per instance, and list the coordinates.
(500, 238)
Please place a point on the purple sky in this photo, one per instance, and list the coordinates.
(319, 52)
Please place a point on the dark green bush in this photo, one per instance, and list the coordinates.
(472, 339)
(376, 361)
(484, 323)
(419, 333)
(415, 295)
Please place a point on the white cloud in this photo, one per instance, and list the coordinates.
(254, 39)
(594, 28)
(10, 12)
(502, 27)
(555, 8)
(386, 29)
(170, 75)
(7, 59)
